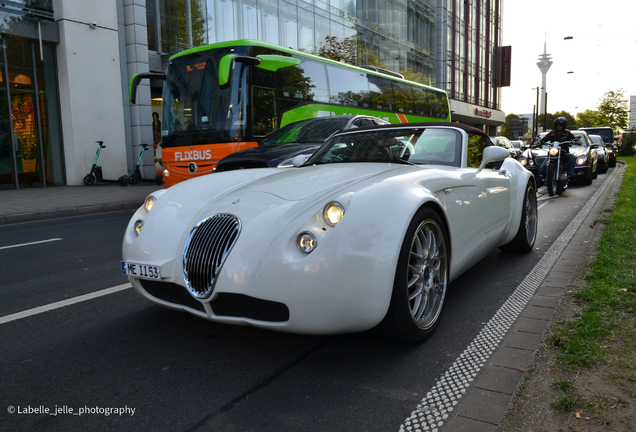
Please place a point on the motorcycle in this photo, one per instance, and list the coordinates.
(557, 175)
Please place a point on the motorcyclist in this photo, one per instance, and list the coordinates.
(560, 134)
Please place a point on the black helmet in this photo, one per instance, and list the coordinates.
(561, 121)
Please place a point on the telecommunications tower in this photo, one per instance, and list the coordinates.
(544, 64)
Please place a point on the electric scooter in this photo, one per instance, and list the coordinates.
(136, 176)
(95, 174)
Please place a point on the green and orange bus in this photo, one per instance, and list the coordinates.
(224, 97)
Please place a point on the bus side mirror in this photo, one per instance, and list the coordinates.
(136, 79)
(275, 62)
(264, 61)
(226, 67)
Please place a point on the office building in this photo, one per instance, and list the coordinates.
(66, 66)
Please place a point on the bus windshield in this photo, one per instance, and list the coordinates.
(195, 109)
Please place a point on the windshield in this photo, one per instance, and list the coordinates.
(606, 134)
(316, 130)
(582, 140)
(416, 145)
(195, 109)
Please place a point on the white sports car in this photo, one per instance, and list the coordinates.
(367, 233)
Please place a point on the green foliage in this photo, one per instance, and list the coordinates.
(506, 128)
(628, 144)
(613, 110)
(551, 117)
(587, 118)
(563, 384)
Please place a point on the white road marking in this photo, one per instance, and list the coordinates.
(29, 244)
(62, 303)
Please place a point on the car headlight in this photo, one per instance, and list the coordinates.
(166, 173)
(150, 201)
(554, 151)
(139, 225)
(581, 160)
(332, 213)
(609, 150)
(523, 161)
(306, 242)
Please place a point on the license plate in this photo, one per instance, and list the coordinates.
(143, 271)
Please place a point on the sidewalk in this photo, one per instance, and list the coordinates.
(26, 205)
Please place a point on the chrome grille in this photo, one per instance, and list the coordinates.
(205, 251)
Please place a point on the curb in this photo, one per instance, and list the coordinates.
(491, 395)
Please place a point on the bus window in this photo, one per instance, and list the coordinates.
(420, 102)
(381, 93)
(317, 75)
(348, 87)
(293, 83)
(264, 110)
(403, 98)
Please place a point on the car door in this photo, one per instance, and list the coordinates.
(494, 184)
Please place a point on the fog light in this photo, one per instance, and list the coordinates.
(139, 225)
(307, 242)
(166, 173)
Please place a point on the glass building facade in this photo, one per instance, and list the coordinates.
(31, 152)
(391, 34)
(450, 44)
(468, 50)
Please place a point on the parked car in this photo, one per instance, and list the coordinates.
(367, 233)
(279, 147)
(515, 152)
(606, 133)
(603, 156)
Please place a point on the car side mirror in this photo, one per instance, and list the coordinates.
(299, 160)
(493, 154)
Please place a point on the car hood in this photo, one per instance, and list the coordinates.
(289, 184)
(577, 150)
(260, 157)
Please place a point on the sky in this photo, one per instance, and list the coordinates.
(601, 54)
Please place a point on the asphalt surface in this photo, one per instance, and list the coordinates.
(477, 405)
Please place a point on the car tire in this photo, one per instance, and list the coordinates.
(527, 232)
(421, 279)
(587, 180)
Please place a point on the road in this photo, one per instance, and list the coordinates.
(165, 370)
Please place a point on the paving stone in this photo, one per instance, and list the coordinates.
(513, 358)
(499, 379)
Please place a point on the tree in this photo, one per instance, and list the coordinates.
(549, 122)
(587, 118)
(613, 110)
(506, 128)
